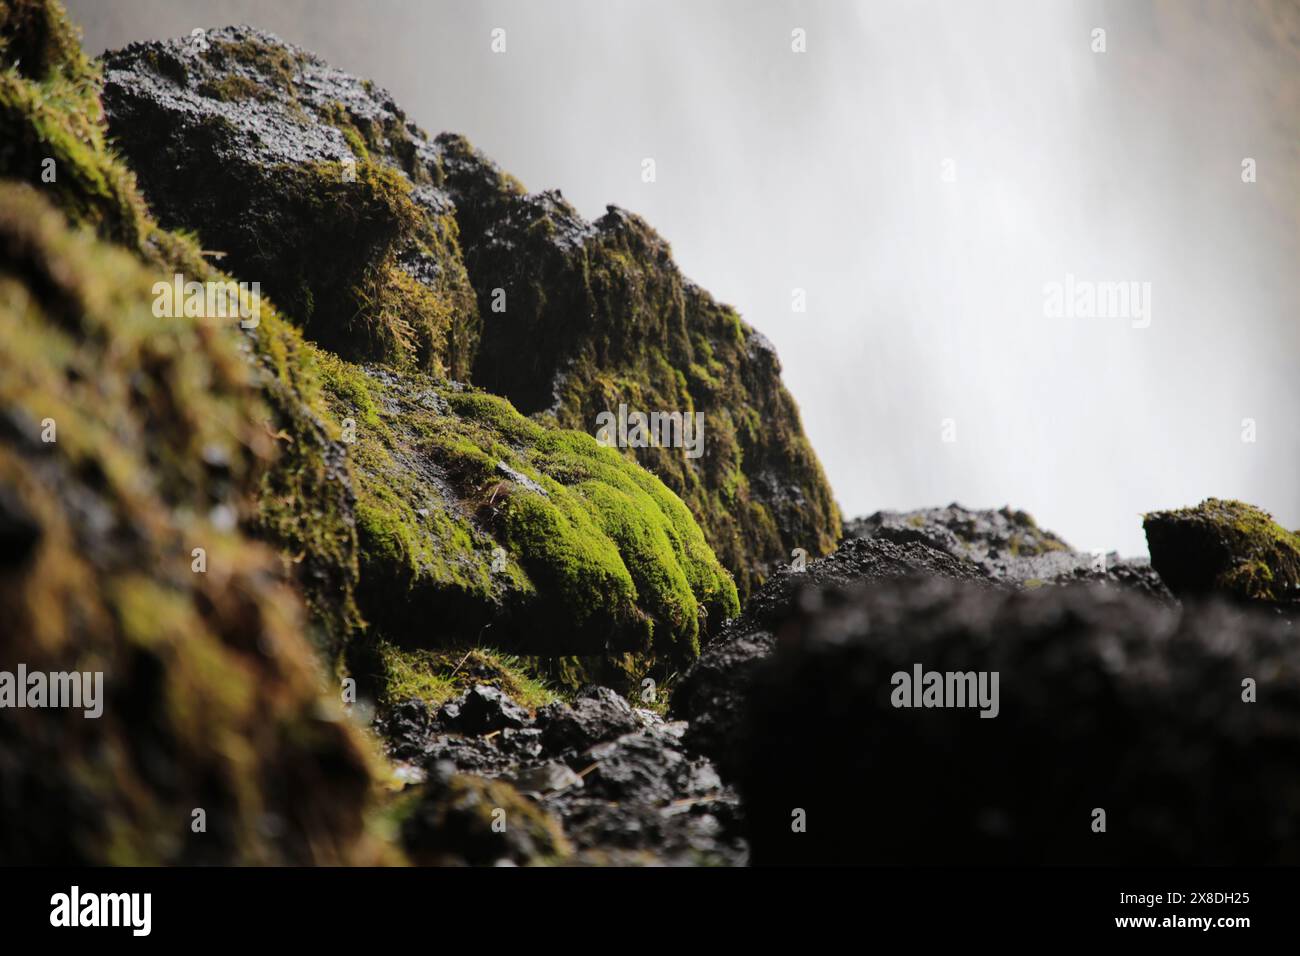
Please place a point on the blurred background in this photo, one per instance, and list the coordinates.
(922, 171)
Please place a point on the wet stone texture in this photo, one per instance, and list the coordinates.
(1009, 547)
(616, 778)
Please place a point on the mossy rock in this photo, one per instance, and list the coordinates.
(50, 113)
(247, 142)
(597, 315)
(608, 564)
(472, 517)
(1225, 546)
(212, 697)
(54, 136)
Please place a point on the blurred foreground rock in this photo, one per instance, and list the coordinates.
(1107, 701)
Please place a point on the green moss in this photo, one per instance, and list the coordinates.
(278, 63)
(305, 505)
(472, 514)
(435, 676)
(232, 88)
(38, 35)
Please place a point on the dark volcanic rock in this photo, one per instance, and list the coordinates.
(617, 779)
(1106, 700)
(1009, 546)
(1226, 547)
(597, 714)
(712, 693)
(483, 709)
(644, 799)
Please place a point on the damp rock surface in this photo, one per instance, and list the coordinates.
(1009, 546)
(616, 780)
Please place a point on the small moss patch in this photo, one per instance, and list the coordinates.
(436, 676)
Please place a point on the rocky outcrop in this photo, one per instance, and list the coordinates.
(1003, 548)
(180, 432)
(384, 245)
(1226, 547)
(592, 316)
(397, 497)
(1178, 723)
(266, 153)
(1009, 546)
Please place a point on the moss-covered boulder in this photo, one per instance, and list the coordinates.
(385, 245)
(132, 451)
(128, 448)
(1225, 546)
(54, 135)
(308, 182)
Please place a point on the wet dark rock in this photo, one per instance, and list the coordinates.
(483, 709)
(308, 181)
(1106, 700)
(616, 778)
(596, 715)
(711, 695)
(1008, 545)
(643, 793)
(404, 724)
(549, 777)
